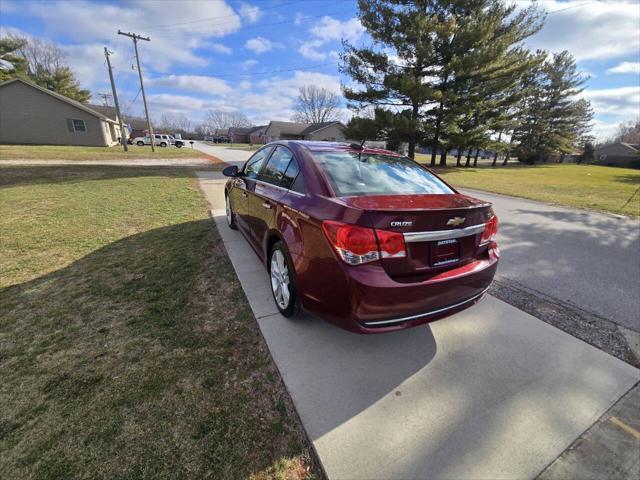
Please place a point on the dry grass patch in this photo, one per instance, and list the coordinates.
(127, 347)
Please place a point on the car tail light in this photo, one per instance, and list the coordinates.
(391, 244)
(357, 245)
(490, 230)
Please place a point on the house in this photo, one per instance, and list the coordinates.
(31, 114)
(325, 131)
(618, 154)
(239, 134)
(256, 134)
(136, 126)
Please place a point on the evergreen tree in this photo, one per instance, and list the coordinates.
(553, 120)
(43, 64)
(14, 64)
(427, 54)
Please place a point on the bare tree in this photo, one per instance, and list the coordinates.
(175, 122)
(628, 132)
(316, 105)
(218, 119)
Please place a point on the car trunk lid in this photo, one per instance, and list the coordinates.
(441, 231)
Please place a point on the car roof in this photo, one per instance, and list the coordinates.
(318, 146)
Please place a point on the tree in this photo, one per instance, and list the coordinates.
(44, 62)
(13, 65)
(316, 105)
(553, 120)
(426, 53)
(628, 132)
(175, 123)
(215, 119)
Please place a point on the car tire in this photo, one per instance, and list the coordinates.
(163, 144)
(178, 145)
(231, 217)
(140, 143)
(283, 286)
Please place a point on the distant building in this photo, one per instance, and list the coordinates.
(325, 131)
(619, 155)
(31, 114)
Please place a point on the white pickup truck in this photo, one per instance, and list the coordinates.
(161, 140)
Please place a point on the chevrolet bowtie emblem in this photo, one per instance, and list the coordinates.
(455, 221)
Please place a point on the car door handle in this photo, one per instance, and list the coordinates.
(266, 205)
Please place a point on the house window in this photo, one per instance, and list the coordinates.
(78, 125)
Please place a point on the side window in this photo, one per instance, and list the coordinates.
(292, 178)
(78, 125)
(278, 163)
(253, 165)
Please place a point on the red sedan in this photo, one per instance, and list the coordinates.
(367, 239)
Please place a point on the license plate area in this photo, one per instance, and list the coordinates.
(444, 252)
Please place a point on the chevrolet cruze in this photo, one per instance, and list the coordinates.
(364, 238)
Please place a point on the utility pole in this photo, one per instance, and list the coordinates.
(115, 101)
(144, 98)
(105, 98)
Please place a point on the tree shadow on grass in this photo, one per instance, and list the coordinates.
(139, 359)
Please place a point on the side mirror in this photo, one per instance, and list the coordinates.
(231, 171)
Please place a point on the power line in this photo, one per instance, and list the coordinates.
(268, 24)
(249, 74)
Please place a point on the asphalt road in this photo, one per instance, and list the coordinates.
(582, 258)
(587, 259)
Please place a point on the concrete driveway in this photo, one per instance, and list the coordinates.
(582, 258)
(232, 156)
(488, 393)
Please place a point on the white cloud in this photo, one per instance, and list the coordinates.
(589, 30)
(259, 45)
(220, 48)
(626, 67)
(329, 28)
(249, 63)
(251, 12)
(309, 50)
(621, 102)
(194, 83)
(298, 18)
(80, 23)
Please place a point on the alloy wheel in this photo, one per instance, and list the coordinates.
(280, 280)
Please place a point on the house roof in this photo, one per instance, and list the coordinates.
(256, 129)
(295, 128)
(136, 123)
(240, 130)
(314, 127)
(106, 110)
(60, 97)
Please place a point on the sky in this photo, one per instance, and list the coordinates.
(252, 56)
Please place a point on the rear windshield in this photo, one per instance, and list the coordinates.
(377, 175)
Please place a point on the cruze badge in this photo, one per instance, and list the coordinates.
(401, 224)
(455, 221)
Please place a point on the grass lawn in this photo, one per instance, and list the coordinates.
(237, 146)
(127, 347)
(585, 186)
(66, 152)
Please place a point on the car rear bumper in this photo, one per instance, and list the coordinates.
(373, 302)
